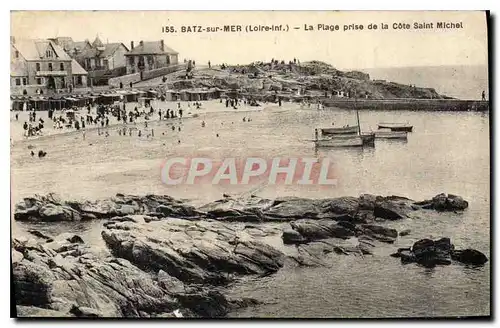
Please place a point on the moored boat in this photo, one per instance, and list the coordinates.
(343, 141)
(396, 126)
(344, 130)
(391, 135)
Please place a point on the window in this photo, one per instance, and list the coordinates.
(61, 67)
(49, 53)
(17, 54)
(79, 80)
(18, 81)
(131, 60)
(39, 80)
(106, 64)
(38, 67)
(25, 81)
(50, 66)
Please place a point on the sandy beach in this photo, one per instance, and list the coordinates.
(210, 106)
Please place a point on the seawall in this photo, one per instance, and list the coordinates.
(409, 104)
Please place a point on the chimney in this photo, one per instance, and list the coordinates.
(131, 45)
(162, 43)
(141, 43)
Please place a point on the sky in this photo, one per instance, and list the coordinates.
(356, 49)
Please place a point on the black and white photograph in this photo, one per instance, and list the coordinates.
(250, 164)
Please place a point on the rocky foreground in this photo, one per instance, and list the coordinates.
(170, 259)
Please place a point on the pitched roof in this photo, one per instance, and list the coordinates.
(97, 42)
(35, 49)
(76, 69)
(79, 45)
(109, 50)
(151, 48)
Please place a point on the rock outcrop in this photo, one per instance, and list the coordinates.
(193, 252)
(430, 253)
(50, 280)
(363, 209)
(51, 208)
(170, 259)
(444, 203)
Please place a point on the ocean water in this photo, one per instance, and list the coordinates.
(447, 152)
(462, 82)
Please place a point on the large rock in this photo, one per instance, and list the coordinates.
(445, 203)
(429, 253)
(312, 230)
(469, 256)
(193, 252)
(54, 283)
(389, 210)
(384, 234)
(291, 236)
(294, 207)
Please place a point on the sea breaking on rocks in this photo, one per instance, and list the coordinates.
(168, 258)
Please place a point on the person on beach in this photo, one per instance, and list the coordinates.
(179, 129)
(173, 128)
(316, 134)
(244, 119)
(203, 124)
(83, 134)
(159, 114)
(17, 116)
(25, 127)
(483, 96)
(32, 153)
(140, 133)
(180, 113)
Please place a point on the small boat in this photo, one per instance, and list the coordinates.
(342, 141)
(396, 126)
(345, 130)
(391, 135)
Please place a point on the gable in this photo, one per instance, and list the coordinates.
(49, 52)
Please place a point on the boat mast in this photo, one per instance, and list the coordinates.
(357, 113)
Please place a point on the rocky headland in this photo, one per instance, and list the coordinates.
(168, 258)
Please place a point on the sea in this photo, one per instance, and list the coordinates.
(465, 82)
(446, 152)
